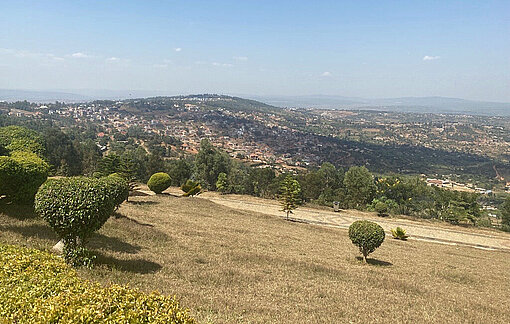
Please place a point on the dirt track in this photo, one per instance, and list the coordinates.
(432, 232)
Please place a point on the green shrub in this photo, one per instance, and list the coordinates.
(159, 182)
(21, 174)
(367, 235)
(399, 233)
(37, 287)
(18, 138)
(381, 208)
(222, 183)
(191, 188)
(75, 208)
(118, 188)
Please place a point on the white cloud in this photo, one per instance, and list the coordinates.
(326, 74)
(160, 66)
(79, 55)
(240, 58)
(431, 58)
(56, 58)
(222, 64)
(112, 59)
(178, 49)
(30, 55)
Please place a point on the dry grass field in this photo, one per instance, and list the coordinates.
(230, 266)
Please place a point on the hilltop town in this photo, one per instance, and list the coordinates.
(468, 150)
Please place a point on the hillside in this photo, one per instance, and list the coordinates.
(234, 266)
(468, 148)
(310, 137)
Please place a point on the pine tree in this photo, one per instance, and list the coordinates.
(290, 192)
(222, 183)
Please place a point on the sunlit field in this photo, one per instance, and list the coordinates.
(232, 266)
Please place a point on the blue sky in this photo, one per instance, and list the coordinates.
(258, 47)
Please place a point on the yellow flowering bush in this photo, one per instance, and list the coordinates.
(37, 287)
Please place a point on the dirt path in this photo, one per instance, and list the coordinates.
(438, 233)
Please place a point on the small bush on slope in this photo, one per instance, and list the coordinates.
(399, 233)
(367, 235)
(191, 188)
(37, 287)
(159, 182)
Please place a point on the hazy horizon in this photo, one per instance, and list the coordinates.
(260, 48)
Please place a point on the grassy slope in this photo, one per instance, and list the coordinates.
(231, 266)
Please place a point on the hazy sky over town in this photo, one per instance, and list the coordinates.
(348, 48)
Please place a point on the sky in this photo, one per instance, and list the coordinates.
(358, 48)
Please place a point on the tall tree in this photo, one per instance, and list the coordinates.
(505, 214)
(290, 192)
(209, 163)
(180, 170)
(221, 183)
(61, 153)
(360, 186)
(90, 155)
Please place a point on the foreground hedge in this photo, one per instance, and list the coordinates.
(21, 174)
(78, 206)
(37, 287)
(75, 207)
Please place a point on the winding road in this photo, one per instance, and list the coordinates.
(419, 230)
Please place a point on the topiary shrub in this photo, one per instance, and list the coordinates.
(118, 188)
(159, 182)
(381, 208)
(21, 174)
(37, 287)
(191, 188)
(75, 208)
(399, 233)
(367, 235)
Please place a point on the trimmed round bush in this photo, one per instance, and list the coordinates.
(159, 182)
(21, 174)
(367, 235)
(382, 208)
(37, 287)
(75, 208)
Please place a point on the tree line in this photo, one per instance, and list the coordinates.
(215, 170)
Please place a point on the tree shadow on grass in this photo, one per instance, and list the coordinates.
(118, 215)
(132, 265)
(142, 202)
(34, 230)
(20, 212)
(98, 241)
(138, 193)
(375, 262)
(169, 194)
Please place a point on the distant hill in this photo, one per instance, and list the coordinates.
(80, 95)
(40, 96)
(438, 105)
